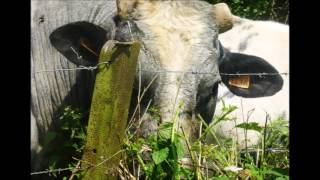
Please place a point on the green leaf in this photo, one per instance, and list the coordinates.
(224, 116)
(164, 130)
(153, 141)
(250, 126)
(150, 168)
(135, 148)
(160, 156)
(179, 147)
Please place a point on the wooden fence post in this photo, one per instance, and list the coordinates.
(109, 110)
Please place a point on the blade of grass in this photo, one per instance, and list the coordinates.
(193, 158)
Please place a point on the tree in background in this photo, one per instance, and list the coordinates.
(276, 10)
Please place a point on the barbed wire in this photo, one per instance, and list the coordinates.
(91, 68)
(59, 170)
(71, 168)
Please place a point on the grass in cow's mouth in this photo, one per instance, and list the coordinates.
(161, 155)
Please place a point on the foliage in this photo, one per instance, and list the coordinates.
(64, 145)
(277, 10)
(161, 155)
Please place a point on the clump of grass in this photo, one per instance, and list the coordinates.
(159, 155)
(222, 160)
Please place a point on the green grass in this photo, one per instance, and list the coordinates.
(222, 160)
(160, 155)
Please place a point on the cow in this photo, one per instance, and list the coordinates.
(179, 45)
(268, 40)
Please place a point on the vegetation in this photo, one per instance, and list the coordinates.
(160, 156)
(65, 146)
(277, 10)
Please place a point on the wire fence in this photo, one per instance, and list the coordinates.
(59, 170)
(91, 68)
(107, 63)
(77, 167)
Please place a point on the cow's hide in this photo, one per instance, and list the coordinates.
(268, 40)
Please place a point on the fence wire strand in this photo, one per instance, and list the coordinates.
(52, 171)
(71, 168)
(91, 68)
(59, 170)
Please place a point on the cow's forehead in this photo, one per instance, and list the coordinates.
(218, 15)
(126, 7)
(138, 9)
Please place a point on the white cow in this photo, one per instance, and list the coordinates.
(270, 41)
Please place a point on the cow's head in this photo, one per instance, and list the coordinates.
(179, 40)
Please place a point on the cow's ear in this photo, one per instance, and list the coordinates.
(80, 42)
(249, 86)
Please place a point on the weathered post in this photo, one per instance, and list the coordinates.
(109, 109)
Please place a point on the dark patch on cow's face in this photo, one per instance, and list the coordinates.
(244, 43)
(79, 42)
(260, 85)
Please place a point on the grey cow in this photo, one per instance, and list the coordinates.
(180, 45)
(268, 40)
